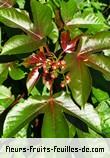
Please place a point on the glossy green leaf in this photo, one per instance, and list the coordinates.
(42, 16)
(88, 20)
(99, 62)
(54, 123)
(3, 73)
(15, 72)
(22, 114)
(68, 9)
(96, 43)
(15, 18)
(80, 84)
(88, 114)
(99, 94)
(18, 45)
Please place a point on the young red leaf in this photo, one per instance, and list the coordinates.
(32, 79)
(67, 44)
(35, 59)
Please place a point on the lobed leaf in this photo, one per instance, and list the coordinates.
(22, 114)
(88, 114)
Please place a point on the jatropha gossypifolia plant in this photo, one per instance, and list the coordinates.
(52, 46)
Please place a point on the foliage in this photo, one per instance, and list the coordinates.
(48, 53)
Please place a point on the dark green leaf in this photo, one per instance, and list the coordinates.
(3, 73)
(80, 83)
(42, 16)
(99, 62)
(96, 43)
(20, 44)
(54, 123)
(68, 9)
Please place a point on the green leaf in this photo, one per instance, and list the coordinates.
(15, 72)
(54, 123)
(54, 34)
(96, 43)
(89, 134)
(22, 133)
(21, 3)
(3, 73)
(88, 114)
(6, 98)
(5, 92)
(15, 18)
(80, 84)
(104, 111)
(42, 16)
(22, 114)
(68, 9)
(72, 130)
(20, 44)
(99, 94)
(91, 20)
(99, 62)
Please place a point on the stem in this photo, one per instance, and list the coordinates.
(51, 89)
(66, 86)
(60, 56)
(47, 49)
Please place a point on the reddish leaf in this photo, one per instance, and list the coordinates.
(47, 80)
(65, 38)
(35, 59)
(32, 79)
(67, 44)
